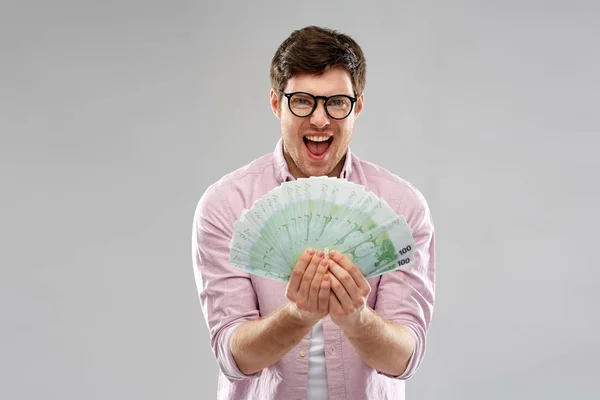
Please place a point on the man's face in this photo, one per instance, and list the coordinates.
(304, 149)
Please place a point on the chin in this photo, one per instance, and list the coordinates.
(317, 171)
(308, 167)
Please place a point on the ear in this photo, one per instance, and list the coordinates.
(275, 105)
(359, 105)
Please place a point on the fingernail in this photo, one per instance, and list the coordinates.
(310, 251)
(324, 262)
(333, 253)
(320, 253)
(326, 277)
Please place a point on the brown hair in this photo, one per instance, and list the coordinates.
(314, 50)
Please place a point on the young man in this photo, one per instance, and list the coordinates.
(328, 333)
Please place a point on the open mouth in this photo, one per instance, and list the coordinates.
(317, 146)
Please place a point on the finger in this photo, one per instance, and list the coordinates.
(325, 293)
(298, 272)
(307, 277)
(335, 307)
(346, 280)
(315, 286)
(342, 295)
(352, 269)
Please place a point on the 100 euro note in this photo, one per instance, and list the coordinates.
(320, 213)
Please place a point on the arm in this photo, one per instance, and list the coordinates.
(391, 337)
(384, 345)
(242, 342)
(226, 293)
(258, 344)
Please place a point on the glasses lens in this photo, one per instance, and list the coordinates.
(301, 104)
(339, 106)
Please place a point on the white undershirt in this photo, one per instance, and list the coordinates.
(317, 373)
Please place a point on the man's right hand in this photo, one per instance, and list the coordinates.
(259, 343)
(309, 287)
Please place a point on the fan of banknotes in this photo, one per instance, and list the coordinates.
(321, 213)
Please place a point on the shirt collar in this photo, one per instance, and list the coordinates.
(282, 170)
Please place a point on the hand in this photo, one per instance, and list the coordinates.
(309, 287)
(349, 292)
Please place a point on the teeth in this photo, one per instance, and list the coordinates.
(317, 138)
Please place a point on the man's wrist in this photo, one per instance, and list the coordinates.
(362, 322)
(300, 318)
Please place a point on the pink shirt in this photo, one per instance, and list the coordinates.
(230, 296)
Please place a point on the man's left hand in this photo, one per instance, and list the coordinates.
(349, 293)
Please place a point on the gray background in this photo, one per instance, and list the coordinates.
(116, 116)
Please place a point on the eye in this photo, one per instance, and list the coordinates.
(339, 102)
(301, 101)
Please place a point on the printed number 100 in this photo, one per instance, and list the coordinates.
(404, 251)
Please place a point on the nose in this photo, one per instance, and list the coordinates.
(319, 117)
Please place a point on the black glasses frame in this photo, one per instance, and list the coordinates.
(325, 100)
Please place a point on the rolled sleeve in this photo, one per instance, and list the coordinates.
(407, 296)
(226, 293)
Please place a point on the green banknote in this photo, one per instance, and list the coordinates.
(321, 213)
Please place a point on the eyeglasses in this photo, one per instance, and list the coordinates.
(303, 104)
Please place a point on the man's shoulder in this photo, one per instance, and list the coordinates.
(237, 181)
(255, 169)
(402, 195)
(384, 182)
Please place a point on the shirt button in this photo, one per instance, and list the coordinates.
(302, 353)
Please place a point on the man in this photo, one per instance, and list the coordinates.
(328, 333)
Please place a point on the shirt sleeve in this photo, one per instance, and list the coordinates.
(407, 295)
(226, 293)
